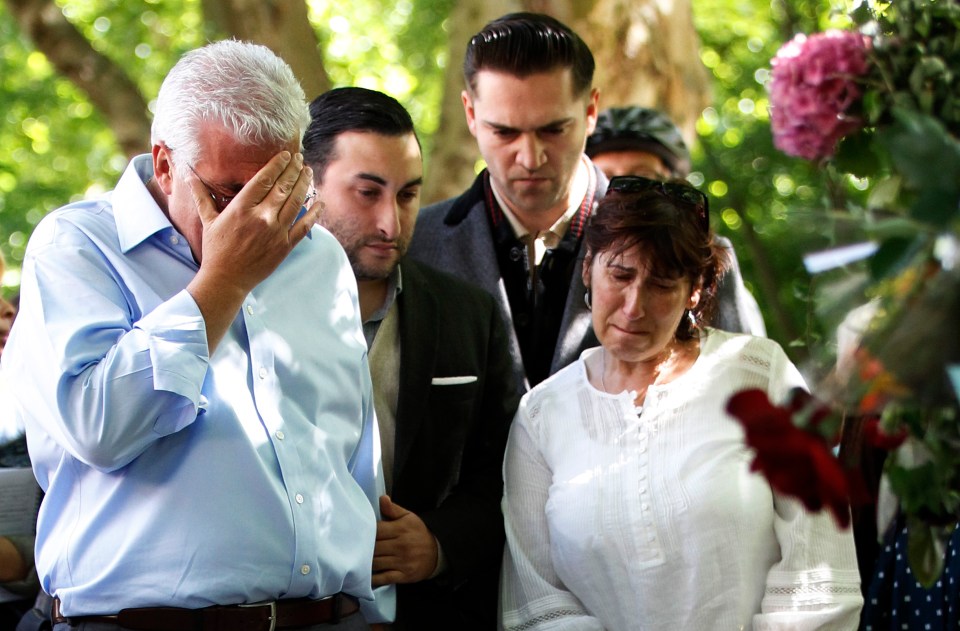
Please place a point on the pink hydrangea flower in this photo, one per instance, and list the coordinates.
(814, 82)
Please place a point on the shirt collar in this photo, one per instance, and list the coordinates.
(394, 287)
(136, 212)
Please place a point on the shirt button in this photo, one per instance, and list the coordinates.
(250, 309)
(263, 372)
(299, 498)
(280, 435)
(175, 239)
(304, 569)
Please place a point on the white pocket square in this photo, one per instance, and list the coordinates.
(453, 381)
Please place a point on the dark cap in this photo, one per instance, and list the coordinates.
(640, 129)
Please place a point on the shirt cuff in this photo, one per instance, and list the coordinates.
(178, 346)
(441, 560)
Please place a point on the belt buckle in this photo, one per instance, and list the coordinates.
(273, 612)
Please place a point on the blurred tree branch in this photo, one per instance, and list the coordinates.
(107, 86)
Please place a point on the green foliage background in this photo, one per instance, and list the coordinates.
(56, 148)
(770, 205)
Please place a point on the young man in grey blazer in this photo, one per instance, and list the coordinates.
(517, 232)
(442, 379)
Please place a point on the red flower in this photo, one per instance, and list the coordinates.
(875, 435)
(795, 462)
(870, 367)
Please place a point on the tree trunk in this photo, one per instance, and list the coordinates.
(646, 54)
(283, 26)
(107, 86)
(449, 169)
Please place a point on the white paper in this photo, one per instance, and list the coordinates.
(817, 262)
(19, 498)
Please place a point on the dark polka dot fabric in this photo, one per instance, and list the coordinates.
(897, 602)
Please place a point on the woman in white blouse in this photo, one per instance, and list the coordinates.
(629, 503)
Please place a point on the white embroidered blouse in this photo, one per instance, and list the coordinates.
(627, 521)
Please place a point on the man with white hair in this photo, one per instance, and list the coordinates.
(193, 379)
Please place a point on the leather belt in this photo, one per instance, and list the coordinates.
(280, 614)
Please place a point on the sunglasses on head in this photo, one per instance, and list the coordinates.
(677, 191)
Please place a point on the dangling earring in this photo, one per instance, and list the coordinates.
(586, 299)
(691, 319)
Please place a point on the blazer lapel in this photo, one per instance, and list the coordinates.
(418, 357)
(576, 329)
(476, 262)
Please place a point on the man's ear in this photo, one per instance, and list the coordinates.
(467, 101)
(163, 167)
(593, 110)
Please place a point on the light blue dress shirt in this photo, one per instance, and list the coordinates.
(178, 479)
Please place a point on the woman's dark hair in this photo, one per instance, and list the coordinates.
(522, 44)
(671, 231)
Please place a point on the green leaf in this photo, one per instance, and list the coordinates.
(856, 155)
(936, 207)
(926, 546)
(885, 192)
(922, 151)
(862, 14)
(873, 105)
(895, 227)
(923, 26)
(892, 256)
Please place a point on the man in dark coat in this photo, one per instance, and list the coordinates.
(442, 377)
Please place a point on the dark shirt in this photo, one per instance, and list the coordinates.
(536, 299)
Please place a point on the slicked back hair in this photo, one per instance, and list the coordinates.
(244, 87)
(343, 110)
(522, 44)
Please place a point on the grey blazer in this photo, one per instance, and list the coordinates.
(455, 236)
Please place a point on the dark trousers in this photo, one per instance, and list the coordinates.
(354, 622)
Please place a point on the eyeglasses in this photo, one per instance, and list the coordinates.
(222, 201)
(676, 191)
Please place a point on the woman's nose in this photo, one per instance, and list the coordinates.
(633, 303)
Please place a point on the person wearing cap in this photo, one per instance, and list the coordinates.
(638, 141)
(643, 141)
